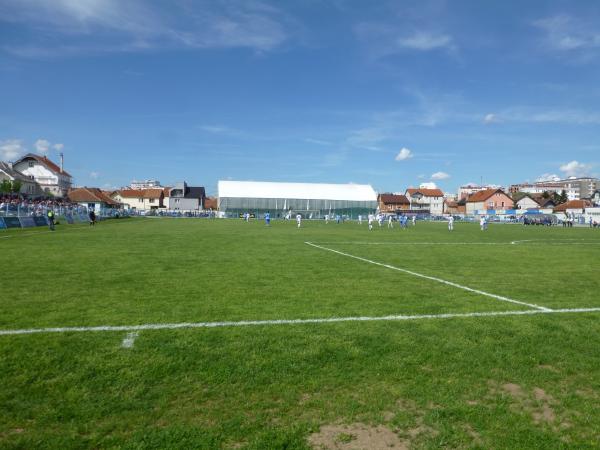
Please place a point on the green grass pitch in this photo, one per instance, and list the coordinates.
(468, 370)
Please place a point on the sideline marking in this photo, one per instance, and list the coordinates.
(245, 323)
(427, 277)
(129, 340)
(540, 241)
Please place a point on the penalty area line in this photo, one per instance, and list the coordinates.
(248, 323)
(427, 277)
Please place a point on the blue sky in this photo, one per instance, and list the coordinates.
(387, 93)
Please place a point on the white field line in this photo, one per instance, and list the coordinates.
(552, 242)
(248, 323)
(413, 243)
(427, 277)
(129, 340)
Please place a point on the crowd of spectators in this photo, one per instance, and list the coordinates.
(12, 204)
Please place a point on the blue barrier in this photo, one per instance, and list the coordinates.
(12, 222)
(27, 222)
(2, 224)
(40, 221)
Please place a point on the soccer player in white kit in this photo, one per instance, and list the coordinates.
(370, 222)
(360, 219)
(390, 223)
(451, 223)
(299, 219)
(482, 223)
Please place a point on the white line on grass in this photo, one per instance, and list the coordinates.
(540, 241)
(246, 323)
(427, 277)
(413, 243)
(129, 340)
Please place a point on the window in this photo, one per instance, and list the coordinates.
(30, 163)
(141, 200)
(151, 200)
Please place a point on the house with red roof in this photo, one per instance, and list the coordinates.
(52, 179)
(495, 199)
(426, 201)
(140, 199)
(392, 203)
(92, 198)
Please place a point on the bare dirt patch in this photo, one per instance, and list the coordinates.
(357, 436)
(536, 402)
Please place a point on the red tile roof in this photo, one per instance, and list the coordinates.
(393, 199)
(210, 203)
(482, 196)
(140, 193)
(45, 161)
(425, 192)
(86, 194)
(574, 204)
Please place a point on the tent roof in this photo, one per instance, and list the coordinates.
(309, 191)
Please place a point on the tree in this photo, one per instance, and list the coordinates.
(16, 186)
(563, 196)
(556, 198)
(545, 195)
(5, 186)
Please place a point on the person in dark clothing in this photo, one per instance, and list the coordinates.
(92, 215)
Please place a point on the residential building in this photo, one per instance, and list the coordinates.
(28, 185)
(490, 199)
(210, 203)
(426, 201)
(525, 201)
(146, 184)
(140, 199)
(573, 206)
(456, 206)
(469, 189)
(52, 179)
(596, 197)
(392, 203)
(575, 188)
(92, 198)
(184, 198)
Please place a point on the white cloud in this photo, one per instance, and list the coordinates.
(561, 116)
(369, 138)
(490, 118)
(404, 154)
(575, 169)
(425, 41)
(136, 25)
(566, 34)
(58, 147)
(42, 146)
(94, 175)
(317, 141)
(214, 128)
(11, 149)
(547, 177)
(440, 176)
(382, 40)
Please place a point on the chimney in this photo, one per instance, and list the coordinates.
(62, 160)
